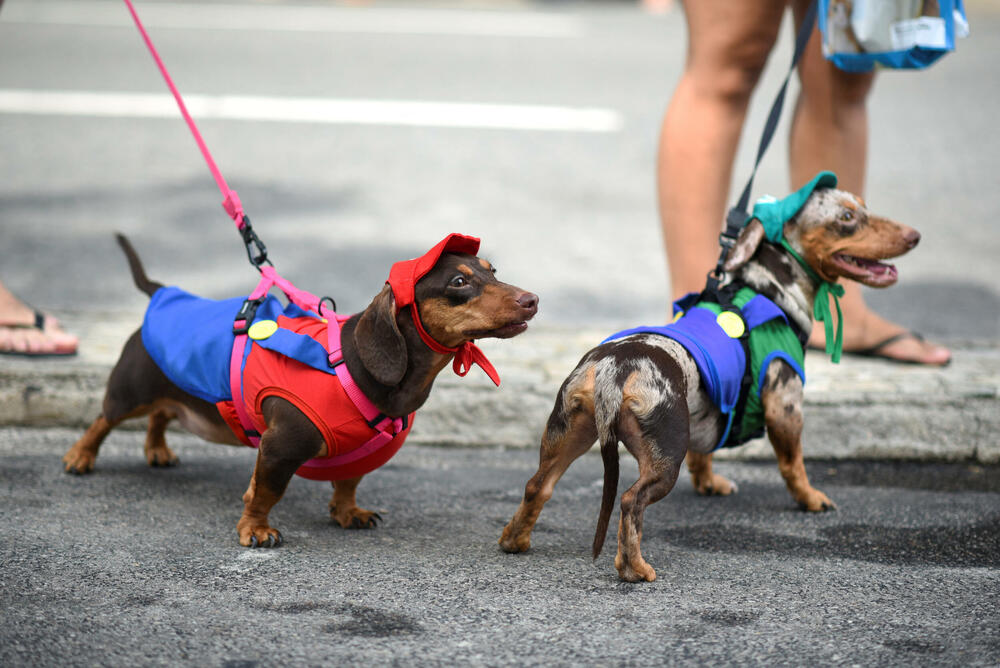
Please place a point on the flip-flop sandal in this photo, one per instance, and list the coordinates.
(39, 324)
(876, 350)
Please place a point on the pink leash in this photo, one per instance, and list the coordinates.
(305, 300)
(231, 201)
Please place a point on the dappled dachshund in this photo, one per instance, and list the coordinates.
(330, 398)
(686, 389)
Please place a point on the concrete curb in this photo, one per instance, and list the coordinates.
(860, 409)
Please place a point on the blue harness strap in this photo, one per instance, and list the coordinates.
(299, 347)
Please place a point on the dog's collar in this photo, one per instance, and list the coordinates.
(821, 305)
(465, 354)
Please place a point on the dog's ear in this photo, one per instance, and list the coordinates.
(746, 245)
(378, 340)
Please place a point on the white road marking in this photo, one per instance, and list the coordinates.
(291, 18)
(313, 110)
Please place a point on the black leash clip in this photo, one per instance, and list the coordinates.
(727, 239)
(252, 241)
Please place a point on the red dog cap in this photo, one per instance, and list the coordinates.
(403, 276)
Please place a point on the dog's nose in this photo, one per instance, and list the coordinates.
(528, 300)
(912, 238)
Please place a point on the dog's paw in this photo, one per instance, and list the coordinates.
(715, 485)
(636, 570)
(355, 517)
(263, 536)
(815, 501)
(161, 457)
(514, 543)
(78, 461)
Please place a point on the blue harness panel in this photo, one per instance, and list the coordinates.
(721, 359)
(191, 339)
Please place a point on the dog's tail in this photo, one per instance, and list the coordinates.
(609, 453)
(138, 273)
(606, 418)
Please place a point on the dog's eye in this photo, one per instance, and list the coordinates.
(847, 216)
(458, 282)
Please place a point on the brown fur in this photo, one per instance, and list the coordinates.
(382, 351)
(645, 392)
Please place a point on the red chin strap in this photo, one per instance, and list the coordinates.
(403, 279)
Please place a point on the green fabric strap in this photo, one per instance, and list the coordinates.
(821, 306)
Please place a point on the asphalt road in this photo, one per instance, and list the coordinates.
(136, 566)
(566, 210)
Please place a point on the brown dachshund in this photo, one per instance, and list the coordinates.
(458, 299)
(646, 390)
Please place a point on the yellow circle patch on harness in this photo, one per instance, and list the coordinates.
(731, 324)
(262, 330)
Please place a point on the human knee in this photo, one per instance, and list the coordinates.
(851, 89)
(824, 83)
(730, 82)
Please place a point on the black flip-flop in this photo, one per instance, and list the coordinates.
(876, 350)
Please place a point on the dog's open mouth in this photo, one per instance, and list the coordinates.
(869, 272)
(505, 332)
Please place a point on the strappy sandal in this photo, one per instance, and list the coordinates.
(7, 346)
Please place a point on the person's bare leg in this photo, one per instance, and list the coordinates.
(727, 49)
(830, 131)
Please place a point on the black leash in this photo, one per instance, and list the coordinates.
(736, 219)
(737, 216)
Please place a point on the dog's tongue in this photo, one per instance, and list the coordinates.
(874, 266)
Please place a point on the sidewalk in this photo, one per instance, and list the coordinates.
(859, 409)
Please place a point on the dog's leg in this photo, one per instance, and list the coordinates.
(289, 440)
(659, 450)
(563, 442)
(81, 457)
(345, 510)
(157, 452)
(128, 394)
(704, 480)
(782, 400)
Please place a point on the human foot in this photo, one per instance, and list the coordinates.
(869, 335)
(40, 337)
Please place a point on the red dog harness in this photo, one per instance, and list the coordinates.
(359, 438)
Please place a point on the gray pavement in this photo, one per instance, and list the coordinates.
(132, 566)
